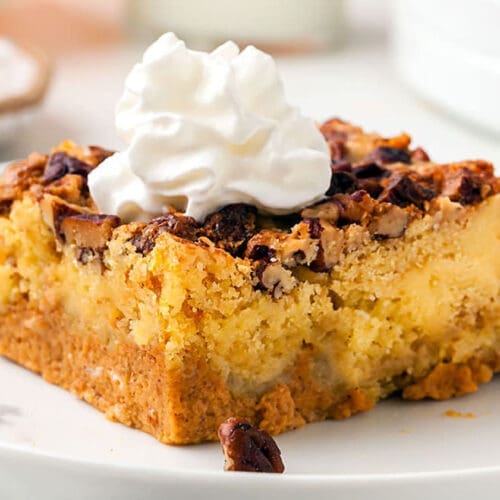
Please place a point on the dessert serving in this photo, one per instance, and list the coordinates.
(236, 260)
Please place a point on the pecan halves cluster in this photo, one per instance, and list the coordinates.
(248, 449)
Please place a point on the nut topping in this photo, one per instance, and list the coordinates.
(261, 252)
(402, 191)
(19, 176)
(248, 449)
(176, 224)
(71, 188)
(274, 278)
(327, 210)
(231, 227)
(342, 180)
(330, 247)
(419, 154)
(335, 137)
(390, 222)
(384, 155)
(91, 231)
(60, 164)
(54, 211)
(463, 186)
(354, 207)
(99, 154)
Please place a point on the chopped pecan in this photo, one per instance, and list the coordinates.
(463, 186)
(248, 449)
(176, 224)
(370, 169)
(369, 176)
(265, 242)
(20, 175)
(401, 141)
(5, 206)
(301, 246)
(402, 191)
(335, 126)
(314, 228)
(60, 164)
(274, 278)
(388, 221)
(91, 231)
(290, 249)
(86, 255)
(337, 148)
(342, 180)
(261, 252)
(354, 207)
(328, 210)
(71, 188)
(335, 138)
(54, 210)
(99, 154)
(419, 154)
(231, 227)
(384, 155)
(330, 247)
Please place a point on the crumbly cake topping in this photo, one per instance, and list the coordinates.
(378, 185)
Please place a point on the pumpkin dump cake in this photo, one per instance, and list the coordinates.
(388, 282)
(171, 326)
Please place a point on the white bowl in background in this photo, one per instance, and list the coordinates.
(449, 53)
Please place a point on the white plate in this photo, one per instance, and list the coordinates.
(53, 446)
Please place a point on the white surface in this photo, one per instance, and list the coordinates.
(53, 446)
(456, 68)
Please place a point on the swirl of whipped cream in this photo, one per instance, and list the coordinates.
(204, 130)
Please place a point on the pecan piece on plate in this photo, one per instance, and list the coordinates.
(247, 448)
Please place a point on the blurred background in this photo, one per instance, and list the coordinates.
(431, 68)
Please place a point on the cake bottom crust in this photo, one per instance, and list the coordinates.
(135, 385)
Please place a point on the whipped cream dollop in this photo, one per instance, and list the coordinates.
(204, 130)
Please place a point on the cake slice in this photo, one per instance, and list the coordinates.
(388, 285)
